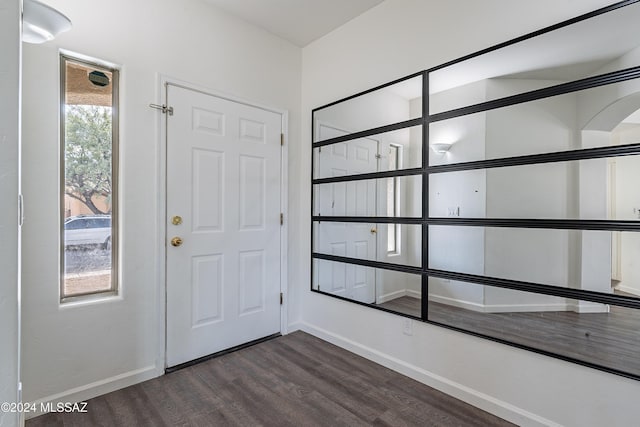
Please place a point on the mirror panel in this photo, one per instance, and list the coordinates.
(605, 43)
(392, 243)
(602, 189)
(397, 197)
(393, 290)
(600, 261)
(391, 104)
(584, 261)
(600, 334)
(396, 150)
(598, 117)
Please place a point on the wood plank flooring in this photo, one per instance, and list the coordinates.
(611, 340)
(295, 380)
(406, 305)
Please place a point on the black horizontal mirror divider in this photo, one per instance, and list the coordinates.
(547, 92)
(426, 170)
(373, 89)
(368, 219)
(533, 159)
(372, 175)
(369, 132)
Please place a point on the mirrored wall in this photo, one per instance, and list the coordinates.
(496, 195)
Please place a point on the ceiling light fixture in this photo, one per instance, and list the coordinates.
(440, 147)
(41, 23)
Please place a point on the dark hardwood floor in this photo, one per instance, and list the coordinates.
(611, 340)
(295, 380)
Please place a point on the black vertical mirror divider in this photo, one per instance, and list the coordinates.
(496, 194)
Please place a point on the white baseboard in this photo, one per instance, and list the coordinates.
(519, 308)
(476, 398)
(628, 289)
(295, 326)
(98, 388)
(525, 308)
(397, 294)
(467, 305)
(588, 307)
(381, 299)
(414, 294)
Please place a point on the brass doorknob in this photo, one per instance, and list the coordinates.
(176, 241)
(374, 230)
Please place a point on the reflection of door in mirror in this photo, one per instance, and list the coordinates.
(389, 197)
(353, 198)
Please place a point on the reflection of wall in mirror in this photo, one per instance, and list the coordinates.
(539, 191)
(594, 101)
(627, 207)
(602, 110)
(565, 190)
(458, 248)
(375, 109)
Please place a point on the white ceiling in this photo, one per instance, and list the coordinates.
(633, 118)
(299, 21)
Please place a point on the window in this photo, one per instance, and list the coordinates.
(393, 201)
(89, 144)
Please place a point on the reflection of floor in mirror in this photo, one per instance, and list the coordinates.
(406, 305)
(611, 340)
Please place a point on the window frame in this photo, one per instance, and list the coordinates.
(64, 58)
(393, 230)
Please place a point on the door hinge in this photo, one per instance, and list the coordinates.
(165, 109)
(281, 219)
(281, 298)
(378, 156)
(282, 139)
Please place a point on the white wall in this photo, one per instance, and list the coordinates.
(459, 249)
(10, 12)
(550, 257)
(627, 206)
(595, 245)
(398, 38)
(78, 351)
(537, 191)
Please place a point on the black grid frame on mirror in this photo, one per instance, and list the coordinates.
(426, 170)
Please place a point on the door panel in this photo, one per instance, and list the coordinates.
(208, 167)
(223, 180)
(207, 289)
(252, 197)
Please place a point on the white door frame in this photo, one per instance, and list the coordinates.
(161, 125)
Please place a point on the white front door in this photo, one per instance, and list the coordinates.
(223, 202)
(354, 198)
